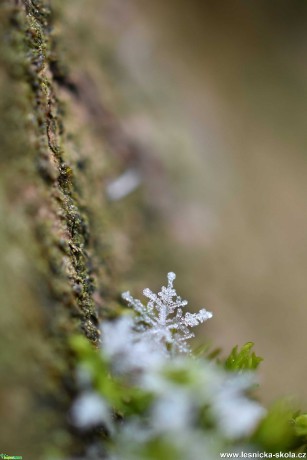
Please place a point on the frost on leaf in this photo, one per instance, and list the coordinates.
(164, 319)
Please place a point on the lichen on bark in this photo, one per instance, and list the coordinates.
(57, 274)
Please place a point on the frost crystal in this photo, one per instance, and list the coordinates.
(163, 318)
(127, 350)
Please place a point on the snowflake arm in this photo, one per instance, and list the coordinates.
(163, 317)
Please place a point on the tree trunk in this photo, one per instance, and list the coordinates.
(57, 271)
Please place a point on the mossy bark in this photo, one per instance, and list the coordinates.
(56, 268)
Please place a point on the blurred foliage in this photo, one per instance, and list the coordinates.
(125, 400)
(281, 430)
(276, 432)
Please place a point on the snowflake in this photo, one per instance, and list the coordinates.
(163, 318)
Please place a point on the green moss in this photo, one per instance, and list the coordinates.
(56, 173)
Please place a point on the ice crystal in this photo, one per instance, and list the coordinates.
(163, 317)
(128, 351)
(185, 408)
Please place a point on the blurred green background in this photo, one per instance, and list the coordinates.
(216, 92)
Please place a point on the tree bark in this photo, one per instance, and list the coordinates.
(57, 276)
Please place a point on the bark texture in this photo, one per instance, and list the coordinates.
(57, 275)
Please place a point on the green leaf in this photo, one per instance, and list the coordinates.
(243, 359)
